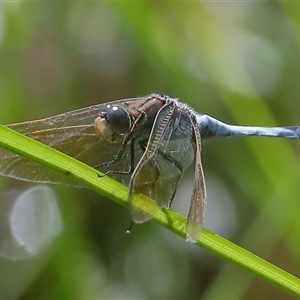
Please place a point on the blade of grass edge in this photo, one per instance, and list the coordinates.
(22, 145)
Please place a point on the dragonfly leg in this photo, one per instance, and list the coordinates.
(131, 168)
(128, 137)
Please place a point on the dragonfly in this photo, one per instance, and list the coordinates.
(145, 142)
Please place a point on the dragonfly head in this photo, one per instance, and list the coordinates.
(113, 120)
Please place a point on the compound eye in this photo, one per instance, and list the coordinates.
(119, 119)
(113, 120)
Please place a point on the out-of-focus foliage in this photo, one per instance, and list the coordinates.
(238, 62)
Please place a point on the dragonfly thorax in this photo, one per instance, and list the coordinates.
(114, 120)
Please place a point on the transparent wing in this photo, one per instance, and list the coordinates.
(168, 154)
(72, 133)
(196, 213)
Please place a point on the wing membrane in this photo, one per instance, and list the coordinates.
(72, 133)
(197, 206)
(168, 154)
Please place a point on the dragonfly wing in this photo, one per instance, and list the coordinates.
(151, 183)
(196, 213)
(72, 133)
(168, 154)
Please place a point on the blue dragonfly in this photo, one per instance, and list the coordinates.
(145, 142)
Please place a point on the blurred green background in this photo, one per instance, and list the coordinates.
(238, 62)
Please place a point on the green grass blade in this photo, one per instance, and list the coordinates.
(169, 219)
